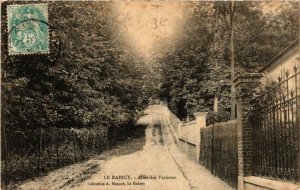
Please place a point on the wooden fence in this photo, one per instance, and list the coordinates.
(218, 151)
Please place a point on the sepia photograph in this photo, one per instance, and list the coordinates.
(150, 95)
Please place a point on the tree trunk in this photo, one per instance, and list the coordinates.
(75, 148)
(57, 147)
(215, 30)
(94, 144)
(232, 95)
(6, 161)
(40, 151)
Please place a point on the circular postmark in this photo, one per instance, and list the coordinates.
(28, 29)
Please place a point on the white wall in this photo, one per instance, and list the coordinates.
(287, 62)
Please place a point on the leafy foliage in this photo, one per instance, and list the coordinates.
(87, 86)
(198, 68)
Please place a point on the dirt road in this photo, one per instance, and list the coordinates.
(151, 168)
(152, 162)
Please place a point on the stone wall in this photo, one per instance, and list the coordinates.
(189, 135)
(189, 148)
(258, 183)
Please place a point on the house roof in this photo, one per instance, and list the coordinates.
(283, 52)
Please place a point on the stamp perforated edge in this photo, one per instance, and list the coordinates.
(8, 37)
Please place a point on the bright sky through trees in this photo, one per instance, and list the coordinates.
(147, 24)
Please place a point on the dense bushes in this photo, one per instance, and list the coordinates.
(29, 158)
(57, 147)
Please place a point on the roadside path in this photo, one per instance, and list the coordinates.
(199, 178)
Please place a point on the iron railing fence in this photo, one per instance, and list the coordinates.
(276, 129)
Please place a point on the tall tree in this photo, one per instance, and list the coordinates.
(231, 15)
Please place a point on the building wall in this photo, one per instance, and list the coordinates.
(285, 63)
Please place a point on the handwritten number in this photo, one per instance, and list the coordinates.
(162, 22)
(155, 23)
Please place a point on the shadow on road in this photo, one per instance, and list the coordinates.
(135, 142)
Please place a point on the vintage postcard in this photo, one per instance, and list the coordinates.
(150, 95)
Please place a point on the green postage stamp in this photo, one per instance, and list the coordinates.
(28, 29)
